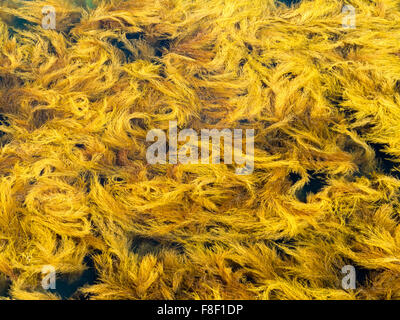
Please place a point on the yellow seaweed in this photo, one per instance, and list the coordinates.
(76, 104)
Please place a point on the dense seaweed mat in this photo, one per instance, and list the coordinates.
(76, 190)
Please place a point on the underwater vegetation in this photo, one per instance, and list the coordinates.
(77, 193)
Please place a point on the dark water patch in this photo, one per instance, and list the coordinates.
(209, 245)
(242, 62)
(21, 24)
(138, 122)
(289, 2)
(248, 277)
(5, 285)
(235, 266)
(311, 35)
(143, 246)
(333, 37)
(290, 76)
(103, 180)
(362, 276)
(362, 131)
(249, 47)
(294, 177)
(162, 46)
(397, 86)
(336, 99)
(271, 65)
(162, 73)
(4, 138)
(67, 288)
(4, 121)
(279, 246)
(384, 160)
(121, 47)
(347, 48)
(135, 36)
(80, 146)
(316, 183)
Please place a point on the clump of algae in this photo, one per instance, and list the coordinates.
(77, 102)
